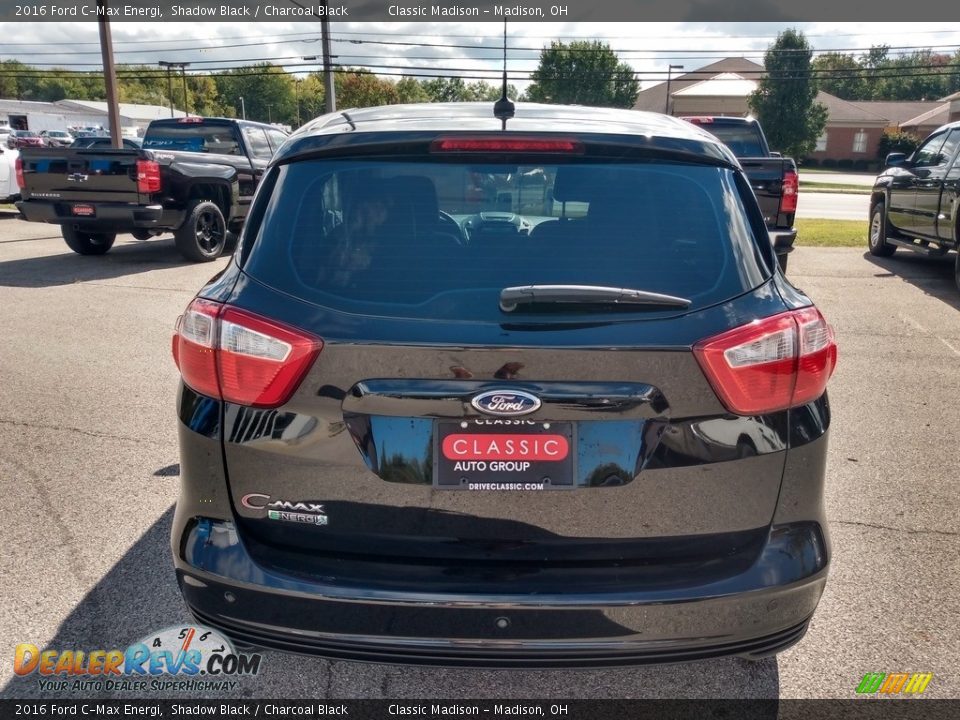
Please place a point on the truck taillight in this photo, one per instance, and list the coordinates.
(20, 181)
(791, 189)
(771, 364)
(238, 356)
(148, 176)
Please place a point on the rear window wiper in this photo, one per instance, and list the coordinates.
(512, 297)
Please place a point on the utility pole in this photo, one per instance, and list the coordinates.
(109, 74)
(296, 87)
(329, 98)
(182, 66)
(243, 109)
(183, 75)
(666, 103)
(169, 88)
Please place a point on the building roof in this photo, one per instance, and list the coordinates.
(897, 111)
(22, 107)
(132, 111)
(847, 112)
(722, 85)
(937, 116)
(654, 98)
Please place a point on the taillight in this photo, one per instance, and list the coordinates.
(791, 189)
(771, 364)
(148, 176)
(240, 357)
(506, 144)
(20, 181)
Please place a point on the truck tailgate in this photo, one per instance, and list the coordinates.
(79, 174)
(766, 179)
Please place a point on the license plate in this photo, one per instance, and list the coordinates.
(486, 455)
(84, 210)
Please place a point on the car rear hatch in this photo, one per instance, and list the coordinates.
(78, 174)
(443, 422)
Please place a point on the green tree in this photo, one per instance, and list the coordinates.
(361, 88)
(446, 89)
(267, 90)
(785, 99)
(583, 73)
(841, 75)
(411, 90)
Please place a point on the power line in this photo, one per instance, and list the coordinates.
(413, 71)
(498, 48)
(374, 33)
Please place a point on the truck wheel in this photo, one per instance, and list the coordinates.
(86, 243)
(877, 237)
(203, 234)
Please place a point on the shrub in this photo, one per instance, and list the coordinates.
(845, 164)
(896, 141)
(829, 163)
(809, 162)
(861, 165)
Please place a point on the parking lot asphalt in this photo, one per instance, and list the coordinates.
(88, 472)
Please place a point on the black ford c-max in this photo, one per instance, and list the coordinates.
(521, 393)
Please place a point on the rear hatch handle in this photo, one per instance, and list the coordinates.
(512, 297)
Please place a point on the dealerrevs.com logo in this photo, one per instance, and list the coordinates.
(186, 658)
(894, 683)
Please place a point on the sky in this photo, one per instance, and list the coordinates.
(395, 48)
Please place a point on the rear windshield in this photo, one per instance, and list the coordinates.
(743, 140)
(441, 240)
(193, 137)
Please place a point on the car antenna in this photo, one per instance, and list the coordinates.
(503, 109)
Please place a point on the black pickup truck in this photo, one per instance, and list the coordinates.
(194, 177)
(915, 203)
(773, 178)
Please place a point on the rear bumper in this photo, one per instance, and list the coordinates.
(759, 611)
(109, 216)
(783, 239)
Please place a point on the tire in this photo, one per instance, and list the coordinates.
(203, 235)
(877, 233)
(85, 243)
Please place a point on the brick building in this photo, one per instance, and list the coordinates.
(853, 130)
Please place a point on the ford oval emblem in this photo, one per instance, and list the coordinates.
(506, 402)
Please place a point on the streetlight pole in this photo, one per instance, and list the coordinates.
(666, 103)
(243, 109)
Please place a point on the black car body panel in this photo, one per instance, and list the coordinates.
(330, 523)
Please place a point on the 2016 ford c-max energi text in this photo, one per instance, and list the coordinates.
(525, 392)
